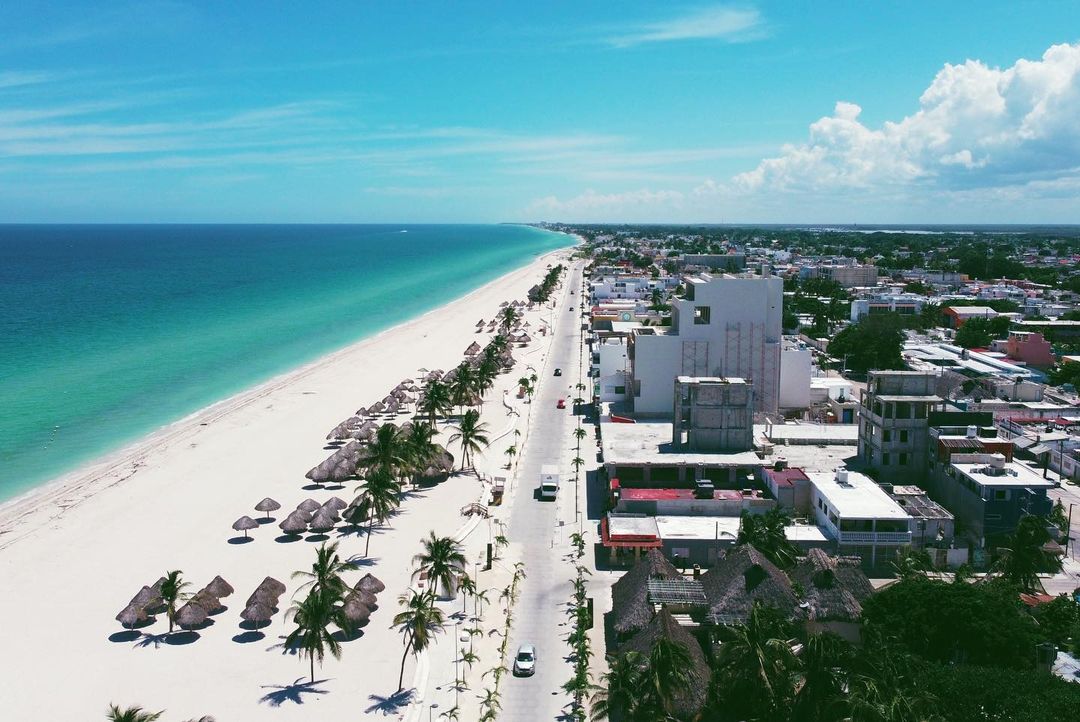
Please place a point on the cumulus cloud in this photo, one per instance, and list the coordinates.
(977, 127)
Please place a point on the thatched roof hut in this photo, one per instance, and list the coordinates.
(308, 505)
(191, 615)
(148, 599)
(207, 601)
(355, 610)
(688, 704)
(219, 587)
(335, 502)
(272, 585)
(630, 606)
(370, 583)
(363, 596)
(245, 524)
(834, 588)
(741, 577)
(131, 615)
(257, 613)
(267, 505)
(322, 522)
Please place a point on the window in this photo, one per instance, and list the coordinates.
(903, 410)
(885, 459)
(702, 315)
(889, 409)
(903, 459)
(886, 435)
(1000, 495)
(620, 390)
(920, 411)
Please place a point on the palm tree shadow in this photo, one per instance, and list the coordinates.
(358, 561)
(290, 692)
(390, 705)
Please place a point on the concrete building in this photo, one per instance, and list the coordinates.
(1030, 348)
(988, 494)
(848, 276)
(713, 414)
(612, 369)
(796, 366)
(934, 525)
(893, 411)
(730, 262)
(905, 304)
(859, 516)
(957, 316)
(724, 326)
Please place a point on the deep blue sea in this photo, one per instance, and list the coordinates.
(110, 332)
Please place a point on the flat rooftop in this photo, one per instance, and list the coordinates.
(809, 433)
(659, 494)
(816, 457)
(805, 533)
(721, 528)
(859, 498)
(1016, 475)
(649, 442)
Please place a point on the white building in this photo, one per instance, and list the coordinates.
(613, 373)
(858, 514)
(903, 303)
(724, 326)
(796, 363)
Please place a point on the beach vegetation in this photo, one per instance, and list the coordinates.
(388, 453)
(326, 571)
(172, 591)
(314, 616)
(380, 495)
(1024, 557)
(421, 451)
(436, 401)
(765, 532)
(471, 433)
(420, 621)
(443, 562)
(131, 714)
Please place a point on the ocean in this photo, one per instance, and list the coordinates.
(108, 333)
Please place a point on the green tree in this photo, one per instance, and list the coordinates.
(172, 591)
(756, 672)
(131, 714)
(326, 571)
(825, 661)
(967, 693)
(765, 532)
(472, 435)
(418, 623)
(975, 333)
(443, 562)
(619, 693)
(420, 449)
(436, 401)
(667, 674)
(314, 617)
(874, 342)
(1024, 558)
(387, 453)
(380, 495)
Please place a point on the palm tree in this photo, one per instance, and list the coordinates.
(526, 384)
(172, 591)
(509, 317)
(619, 693)
(480, 598)
(1024, 557)
(420, 449)
(912, 562)
(510, 452)
(313, 618)
(757, 666)
(765, 532)
(500, 542)
(667, 673)
(463, 387)
(326, 571)
(380, 494)
(577, 463)
(131, 714)
(436, 401)
(580, 433)
(388, 452)
(418, 624)
(442, 560)
(825, 660)
(473, 436)
(467, 586)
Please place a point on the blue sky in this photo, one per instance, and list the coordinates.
(167, 111)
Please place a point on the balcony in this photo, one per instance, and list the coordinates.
(875, 537)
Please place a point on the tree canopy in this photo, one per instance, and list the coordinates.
(874, 342)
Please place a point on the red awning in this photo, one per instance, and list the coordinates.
(621, 420)
(614, 484)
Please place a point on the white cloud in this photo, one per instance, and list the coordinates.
(591, 205)
(977, 127)
(723, 23)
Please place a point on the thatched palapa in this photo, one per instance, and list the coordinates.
(219, 587)
(370, 583)
(631, 609)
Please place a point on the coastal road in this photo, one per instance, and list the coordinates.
(540, 614)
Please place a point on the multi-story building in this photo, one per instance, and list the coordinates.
(988, 494)
(848, 276)
(893, 413)
(905, 304)
(722, 327)
(713, 414)
(796, 368)
(859, 516)
(731, 262)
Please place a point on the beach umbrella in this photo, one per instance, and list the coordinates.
(245, 523)
(377, 408)
(398, 394)
(273, 585)
(393, 407)
(343, 470)
(370, 583)
(207, 601)
(190, 615)
(339, 432)
(147, 599)
(432, 375)
(355, 611)
(267, 505)
(480, 322)
(219, 587)
(320, 473)
(362, 434)
(308, 505)
(335, 502)
(323, 522)
(257, 613)
(131, 615)
(294, 524)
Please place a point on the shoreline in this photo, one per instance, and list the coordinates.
(93, 476)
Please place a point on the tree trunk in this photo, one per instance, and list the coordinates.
(401, 676)
(312, 658)
(367, 542)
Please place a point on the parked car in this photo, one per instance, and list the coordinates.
(558, 372)
(525, 661)
(561, 404)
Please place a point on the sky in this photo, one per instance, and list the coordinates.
(365, 111)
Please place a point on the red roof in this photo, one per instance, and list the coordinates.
(627, 540)
(787, 477)
(674, 494)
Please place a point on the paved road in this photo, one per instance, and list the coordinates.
(540, 614)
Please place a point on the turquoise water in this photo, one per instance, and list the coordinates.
(109, 332)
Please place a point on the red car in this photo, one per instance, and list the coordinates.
(561, 404)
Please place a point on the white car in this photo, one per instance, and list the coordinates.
(525, 661)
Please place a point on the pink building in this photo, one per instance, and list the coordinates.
(1029, 347)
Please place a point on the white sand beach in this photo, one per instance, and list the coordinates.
(73, 553)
